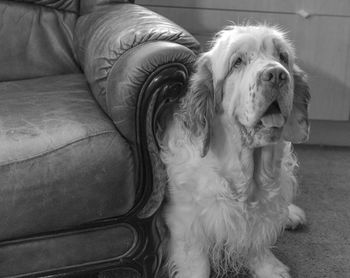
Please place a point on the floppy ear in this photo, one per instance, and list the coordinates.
(201, 103)
(297, 127)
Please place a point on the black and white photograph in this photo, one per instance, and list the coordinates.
(175, 139)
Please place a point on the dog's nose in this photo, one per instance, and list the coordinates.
(275, 76)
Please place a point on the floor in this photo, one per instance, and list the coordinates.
(322, 248)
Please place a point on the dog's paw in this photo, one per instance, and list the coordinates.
(274, 274)
(296, 217)
(272, 270)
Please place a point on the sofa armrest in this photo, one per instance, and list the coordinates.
(137, 63)
(119, 47)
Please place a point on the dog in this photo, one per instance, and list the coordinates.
(228, 156)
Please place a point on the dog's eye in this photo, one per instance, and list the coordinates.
(238, 62)
(284, 58)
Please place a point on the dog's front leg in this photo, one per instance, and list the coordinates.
(296, 217)
(266, 265)
(187, 259)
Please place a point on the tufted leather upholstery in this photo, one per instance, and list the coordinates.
(79, 84)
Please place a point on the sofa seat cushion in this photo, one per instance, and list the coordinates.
(62, 161)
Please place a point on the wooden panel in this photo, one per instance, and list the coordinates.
(322, 45)
(315, 7)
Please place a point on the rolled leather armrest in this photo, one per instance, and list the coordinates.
(119, 47)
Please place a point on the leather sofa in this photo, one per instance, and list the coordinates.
(83, 87)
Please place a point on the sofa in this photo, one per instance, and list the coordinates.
(84, 85)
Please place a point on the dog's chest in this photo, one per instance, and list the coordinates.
(224, 216)
(242, 225)
(220, 203)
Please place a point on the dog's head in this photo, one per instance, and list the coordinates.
(250, 76)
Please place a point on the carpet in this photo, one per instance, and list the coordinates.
(322, 248)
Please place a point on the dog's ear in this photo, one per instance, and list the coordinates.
(201, 102)
(297, 127)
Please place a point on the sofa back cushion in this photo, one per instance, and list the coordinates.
(88, 6)
(36, 38)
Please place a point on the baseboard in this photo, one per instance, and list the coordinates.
(332, 133)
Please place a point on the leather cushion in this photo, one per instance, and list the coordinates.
(62, 162)
(64, 5)
(88, 6)
(35, 41)
(58, 252)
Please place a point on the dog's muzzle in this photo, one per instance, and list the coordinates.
(275, 77)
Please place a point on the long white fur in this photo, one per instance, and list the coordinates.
(226, 209)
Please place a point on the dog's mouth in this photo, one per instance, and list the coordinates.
(272, 117)
(268, 128)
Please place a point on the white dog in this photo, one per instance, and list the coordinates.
(228, 156)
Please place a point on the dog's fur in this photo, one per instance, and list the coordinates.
(229, 159)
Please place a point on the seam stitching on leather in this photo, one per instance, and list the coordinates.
(58, 148)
